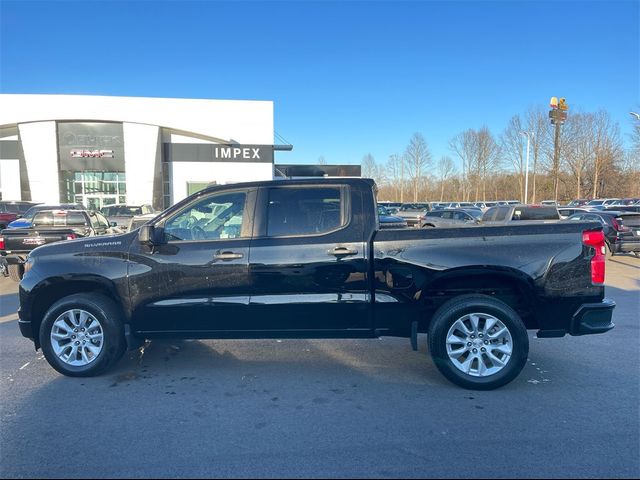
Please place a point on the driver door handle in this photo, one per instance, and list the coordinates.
(228, 256)
(342, 251)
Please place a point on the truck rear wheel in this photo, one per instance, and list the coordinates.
(16, 272)
(82, 335)
(478, 342)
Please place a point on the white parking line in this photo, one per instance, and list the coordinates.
(25, 366)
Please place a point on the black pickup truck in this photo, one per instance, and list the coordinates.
(306, 259)
(47, 226)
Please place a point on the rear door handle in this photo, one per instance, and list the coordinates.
(228, 256)
(342, 252)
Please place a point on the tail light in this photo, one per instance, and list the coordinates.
(618, 226)
(595, 239)
(1, 243)
(71, 236)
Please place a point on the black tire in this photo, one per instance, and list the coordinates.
(106, 312)
(16, 272)
(457, 308)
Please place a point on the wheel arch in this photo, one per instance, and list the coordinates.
(49, 292)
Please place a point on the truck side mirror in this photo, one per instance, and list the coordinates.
(148, 235)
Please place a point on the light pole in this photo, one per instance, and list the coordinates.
(526, 174)
(635, 115)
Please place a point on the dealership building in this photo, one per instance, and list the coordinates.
(98, 150)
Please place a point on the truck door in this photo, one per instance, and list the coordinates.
(197, 280)
(309, 262)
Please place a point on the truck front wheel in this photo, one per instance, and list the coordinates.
(478, 342)
(82, 335)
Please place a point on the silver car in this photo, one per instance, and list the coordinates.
(452, 218)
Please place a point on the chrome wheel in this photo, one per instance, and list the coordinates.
(479, 344)
(77, 337)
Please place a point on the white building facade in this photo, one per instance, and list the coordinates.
(99, 151)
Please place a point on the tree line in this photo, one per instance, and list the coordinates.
(593, 163)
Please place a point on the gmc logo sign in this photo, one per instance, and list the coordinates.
(92, 153)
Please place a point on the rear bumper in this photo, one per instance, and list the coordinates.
(622, 246)
(592, 318)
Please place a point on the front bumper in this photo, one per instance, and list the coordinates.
(592, 318)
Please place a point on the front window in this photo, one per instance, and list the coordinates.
(212, 218)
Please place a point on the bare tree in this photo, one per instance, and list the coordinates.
(579, 146)
(538, 128)
(394, 170)
(488, 159)
(369, 167)
(321, 160)
(446, 169)
(418, 160)
(607, 148)
(513, 145)
(464, 146)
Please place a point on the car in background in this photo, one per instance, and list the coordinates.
(452, 218)
(579, 202)
(25, 221)
(139, 220)
(48, 226)
(566, 212)
(626, 201)
(413, 213)
(389, 221)
(484, 205)
(622, 208)
(621, 229)
(602, 202)
(503, 214)
(12, 210)
(548, 203)
(119, 215)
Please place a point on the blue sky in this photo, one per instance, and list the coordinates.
(346, 78)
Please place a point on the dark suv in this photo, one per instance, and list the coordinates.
(621, 229)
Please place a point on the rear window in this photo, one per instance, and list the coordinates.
(304, 211)
(123, 210)
(60, 219)
(631, 220)
(535, 213)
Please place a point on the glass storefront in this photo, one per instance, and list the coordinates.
(94, 189)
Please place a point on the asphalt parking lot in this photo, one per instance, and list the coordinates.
(335, 408)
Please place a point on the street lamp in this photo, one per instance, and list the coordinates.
(526, 175)
(635, 115)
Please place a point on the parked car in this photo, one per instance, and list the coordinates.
(622, 208)
(389, 221)
(413, 213)
(25, 221)
(626, 201)
(119, 215)
(452, 218)
(579, 202)
(309, 262)
(12, 210)
(602, 201)
(139, 220)
(566, 212)
(517, 213)
(621, 229)
(48, 226)
(549, 203)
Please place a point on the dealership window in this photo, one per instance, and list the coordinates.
(94, 189)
